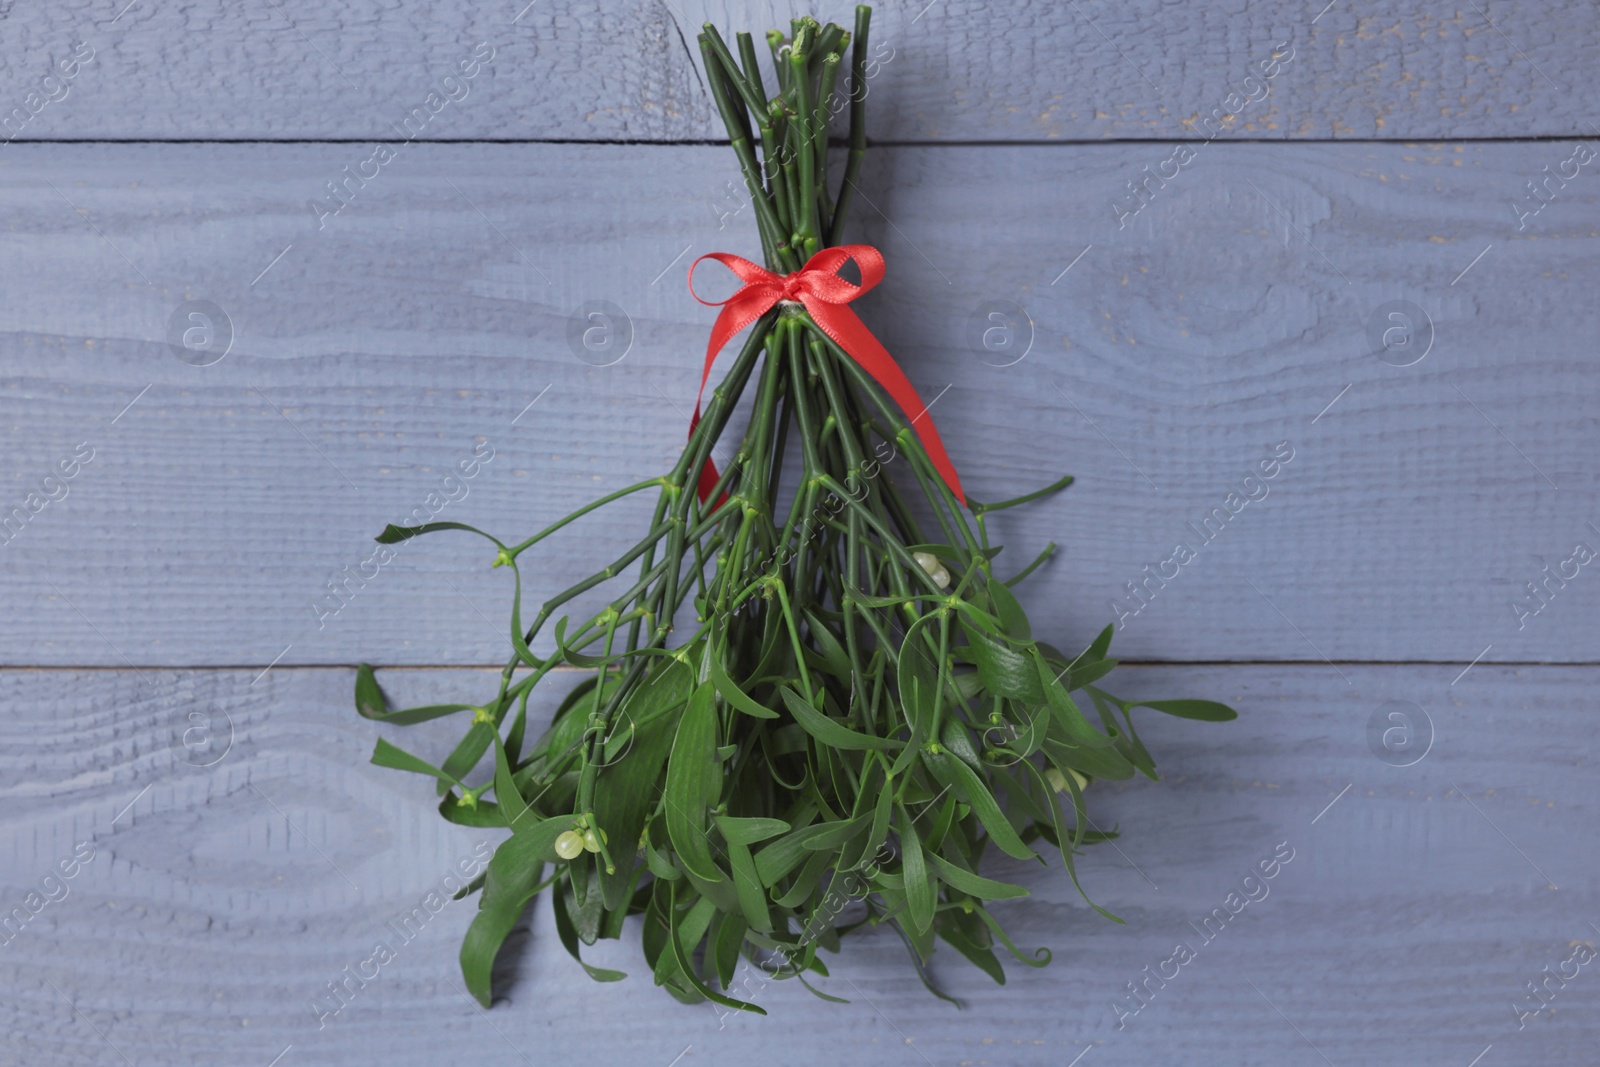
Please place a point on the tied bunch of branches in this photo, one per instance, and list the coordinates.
(808, 711)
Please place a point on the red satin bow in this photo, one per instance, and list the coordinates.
(824, 294)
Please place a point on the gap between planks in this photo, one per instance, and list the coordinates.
(567, 668)
(841, 143)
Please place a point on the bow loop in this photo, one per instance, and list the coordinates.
(746, 271)
(820, 276)
(824, 293)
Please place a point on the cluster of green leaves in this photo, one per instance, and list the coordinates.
(846, 721)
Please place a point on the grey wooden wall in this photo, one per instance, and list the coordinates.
(1355, 270)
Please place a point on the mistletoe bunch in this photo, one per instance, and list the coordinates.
(805, 709)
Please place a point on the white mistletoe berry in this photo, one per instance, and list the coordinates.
(930, 563)
(569, 845)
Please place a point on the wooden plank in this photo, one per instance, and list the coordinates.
(1417, 903)
(1233, 312)
(951, 70)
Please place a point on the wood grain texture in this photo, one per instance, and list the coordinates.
(242, 852)
(952, 70)
(1235, 311)
(1414, 910)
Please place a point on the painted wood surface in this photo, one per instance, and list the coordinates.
(948, 70)
(1258, 301)
(219, 900)
(1410, 322)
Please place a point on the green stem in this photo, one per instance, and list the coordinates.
(858, 122)
(735, 122)
(517, 550)
(748, 88)
(805, 165)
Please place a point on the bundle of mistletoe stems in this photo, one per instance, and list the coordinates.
(813, 705)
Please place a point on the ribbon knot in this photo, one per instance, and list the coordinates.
(818, 287)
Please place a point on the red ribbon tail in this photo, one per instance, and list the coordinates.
(759, 292)
(708, 472)
(708, 482)
(852, 335)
